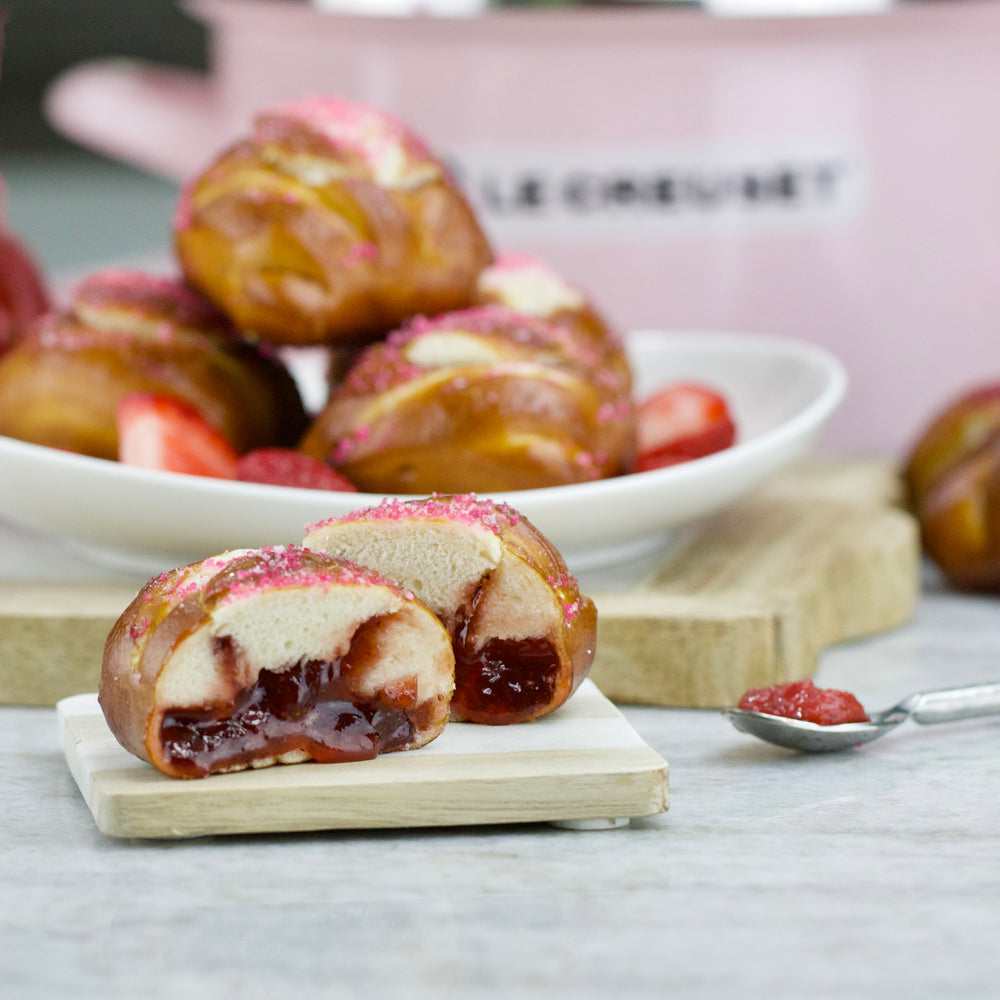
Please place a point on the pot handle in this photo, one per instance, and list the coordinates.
(158, 118)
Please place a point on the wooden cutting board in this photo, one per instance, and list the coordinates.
(821, 555)
(749, 597)
(583, 766)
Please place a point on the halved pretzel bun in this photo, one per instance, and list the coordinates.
(125, 332)
(524, 636)
(276, 655)
(480, 400)
(332, 223)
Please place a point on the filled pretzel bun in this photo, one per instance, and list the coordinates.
(276, 655)
(523, 634)
(481, 400)
(125, 332)
(331, 223)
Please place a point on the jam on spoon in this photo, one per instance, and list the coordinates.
(803, 700)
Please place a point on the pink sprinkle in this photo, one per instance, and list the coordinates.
(284, 565)
(365, 250)
(348, 444)
(466, 509)
(609, 379)
(128, 290)
(609, 412)
(342, 450)
(569, 591)
(138, 629)
(514, 261)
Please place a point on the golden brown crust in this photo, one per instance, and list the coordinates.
(952, 476)
(482, 400)
(960, 519)
(127, 332)
(331, 224)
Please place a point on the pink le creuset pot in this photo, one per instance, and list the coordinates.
(833, 179)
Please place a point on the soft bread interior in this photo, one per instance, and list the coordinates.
(442, 562)
(275, 629)
(445, 563)
(534, 289)
(518, 603)
(448, 348)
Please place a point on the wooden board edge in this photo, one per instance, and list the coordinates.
(438, 792)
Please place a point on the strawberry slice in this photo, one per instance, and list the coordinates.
(162, 432)
(284, 467)
(680, 422)
(23, 296)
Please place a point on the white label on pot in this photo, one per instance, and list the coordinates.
(650, 191)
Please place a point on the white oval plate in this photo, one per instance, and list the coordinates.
(781, 392)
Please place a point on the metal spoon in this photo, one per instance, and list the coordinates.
(925, 707)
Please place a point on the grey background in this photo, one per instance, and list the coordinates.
(44, 37)
(74, 209)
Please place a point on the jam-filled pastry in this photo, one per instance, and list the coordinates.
(523, 634)
(333, 222)
(477, 401)
(528, 285)
(126, 332)
(275, 655)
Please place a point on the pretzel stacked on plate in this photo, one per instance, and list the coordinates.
(479, 400)
(332, 225)
(125, 333)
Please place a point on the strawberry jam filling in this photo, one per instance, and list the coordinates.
(504, 681)
(308, 706)
(803, 700)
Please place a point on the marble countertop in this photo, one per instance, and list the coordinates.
(873, 873)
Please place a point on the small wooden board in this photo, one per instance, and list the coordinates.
(583, 765)
(750, 597)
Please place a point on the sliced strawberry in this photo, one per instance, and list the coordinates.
(162, 432)
(22, 291)
(284, 467)
(681, 422)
